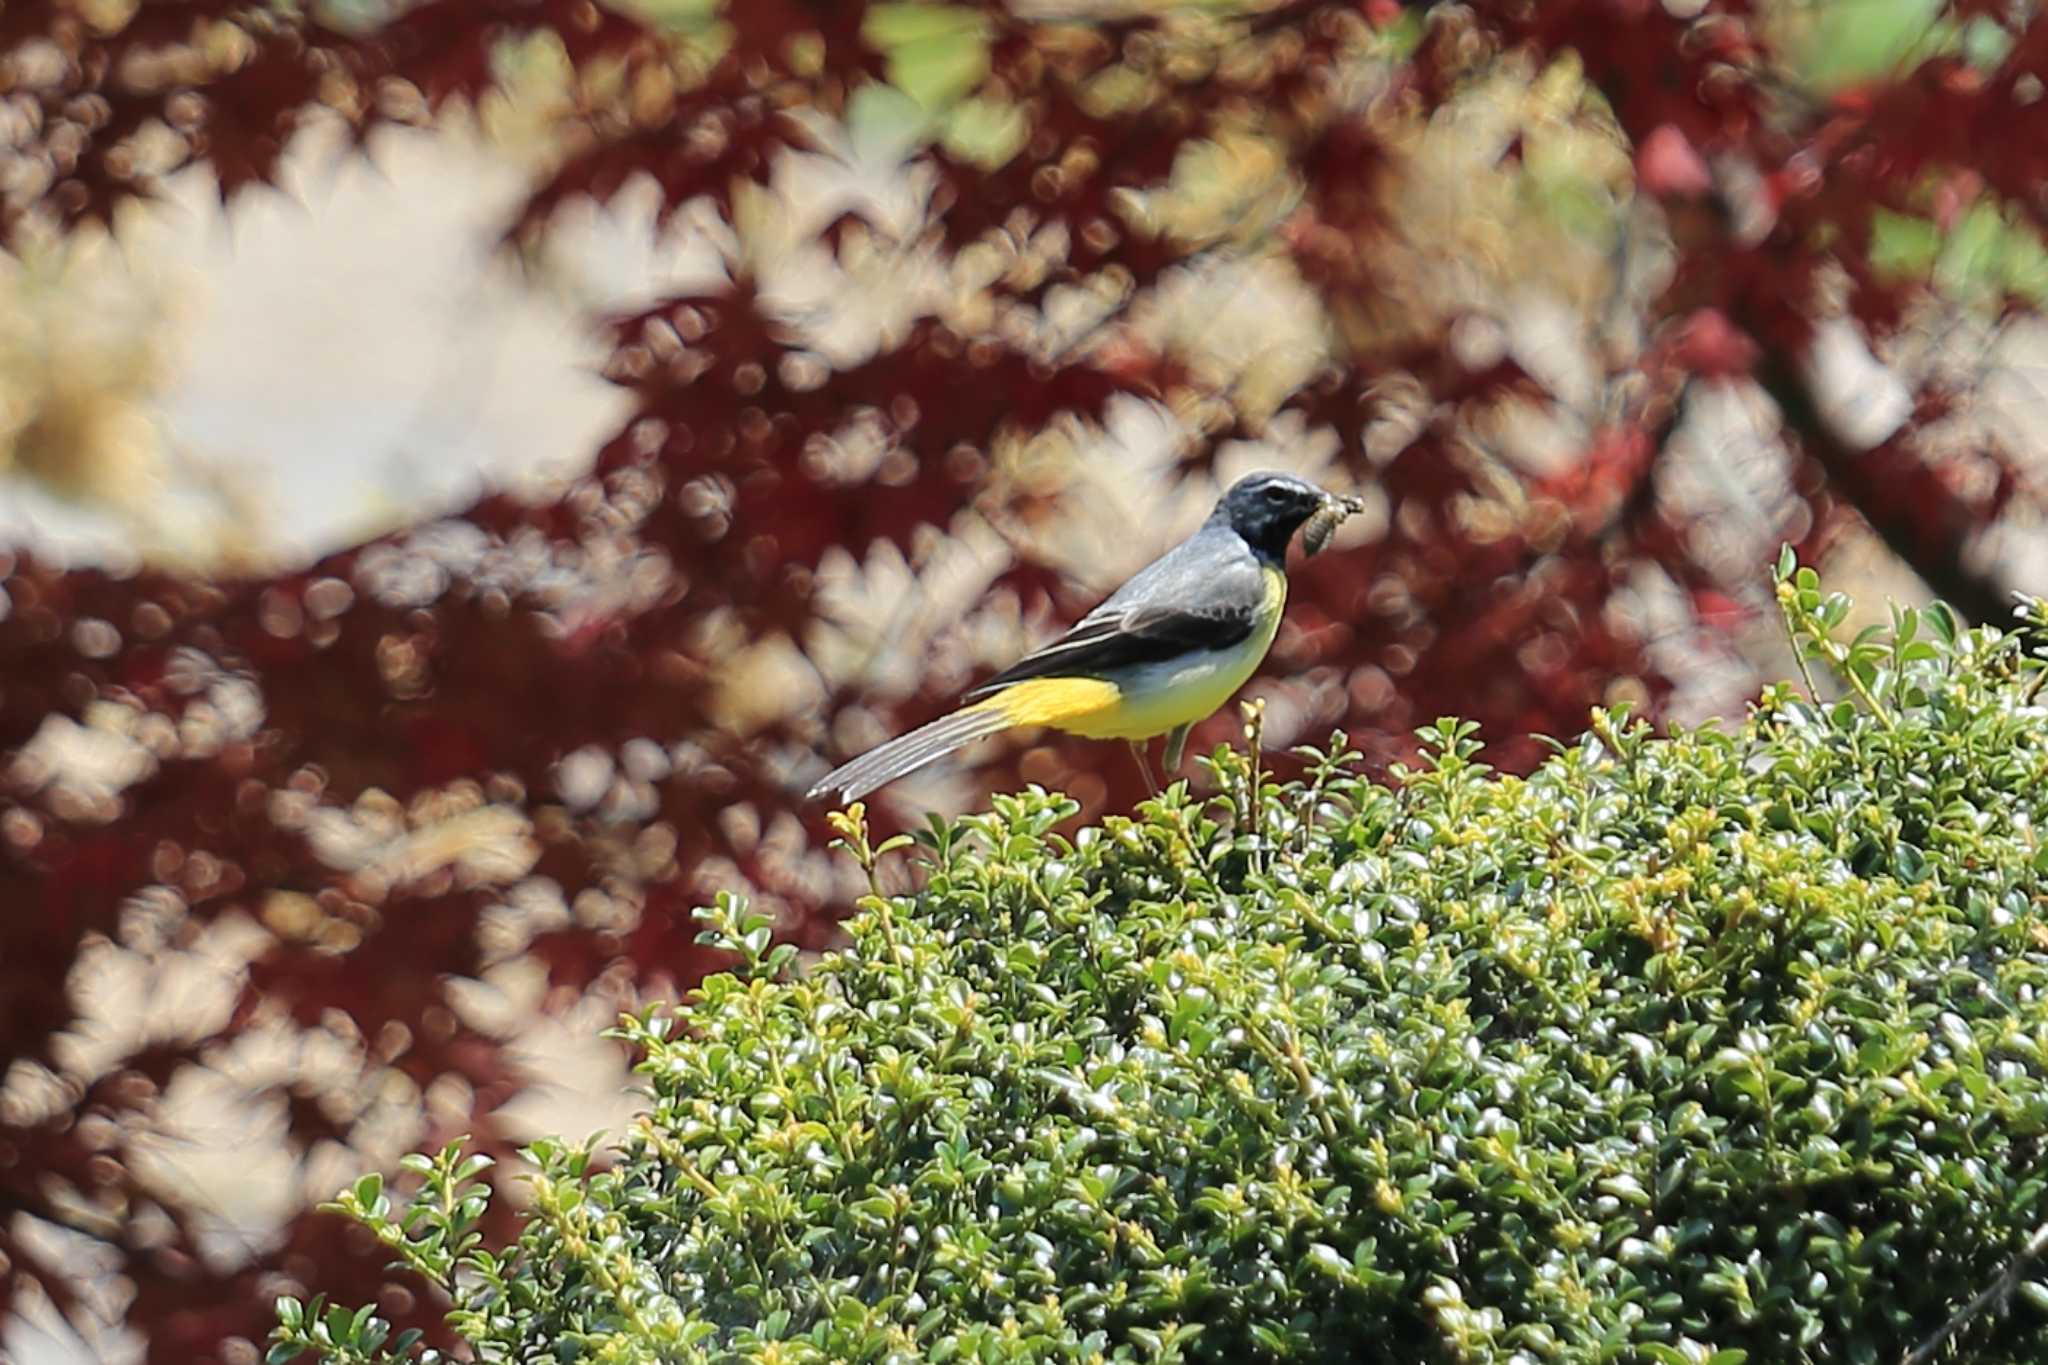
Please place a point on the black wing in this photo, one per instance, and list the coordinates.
(1142, 636)
(1208, 592)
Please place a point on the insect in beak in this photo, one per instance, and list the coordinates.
(1324, 521)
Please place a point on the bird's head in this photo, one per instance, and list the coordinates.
(1267, 508)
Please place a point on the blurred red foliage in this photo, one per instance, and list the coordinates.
(360, 756)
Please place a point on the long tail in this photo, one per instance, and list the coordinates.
(907, 753)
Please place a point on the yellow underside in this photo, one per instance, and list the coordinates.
(1068, 703)
(1157, 700)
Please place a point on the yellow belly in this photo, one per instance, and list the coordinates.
(1149, 700)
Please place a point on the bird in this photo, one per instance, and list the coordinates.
(1160, 654)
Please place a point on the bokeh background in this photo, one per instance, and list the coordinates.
(465, 468)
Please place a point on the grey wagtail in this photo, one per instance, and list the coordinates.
(1161, 653)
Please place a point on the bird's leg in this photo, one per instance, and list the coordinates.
(1144, 765)
(1176, 745)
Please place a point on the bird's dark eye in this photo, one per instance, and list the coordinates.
(1275, 494)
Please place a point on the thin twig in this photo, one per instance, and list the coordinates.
(1994, 1296)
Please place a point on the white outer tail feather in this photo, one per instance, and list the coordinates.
(907, 753)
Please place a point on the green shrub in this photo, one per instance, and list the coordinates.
(1679, 1049)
